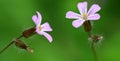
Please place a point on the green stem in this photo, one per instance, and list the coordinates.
(94, 51)
(93, 47)
(88, 28)
(6, 47)
(9, 44)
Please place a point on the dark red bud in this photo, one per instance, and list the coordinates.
(87, 26)
(29, 32)
(22, 45)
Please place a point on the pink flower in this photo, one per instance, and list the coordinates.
(84, 15)
(42, 29)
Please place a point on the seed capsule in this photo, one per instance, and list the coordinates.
(96, 38)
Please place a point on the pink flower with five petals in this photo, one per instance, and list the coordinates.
(84, 15)
(42, 29)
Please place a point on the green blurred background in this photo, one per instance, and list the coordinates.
(69, 44)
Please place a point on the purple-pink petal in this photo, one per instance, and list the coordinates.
(94, 8)
(34, 18)
(72, 15)
(46, 27)
(82, 7)
(77, 23)
(94, 17)
(39, 17)
(48, 36)
(38, 31)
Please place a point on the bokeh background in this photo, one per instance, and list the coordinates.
(69, 44)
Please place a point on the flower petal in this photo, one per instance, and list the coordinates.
(38, 31)
(94, 17)
(94, 8)
(34, 18)
(37, 19)
(82, 7)
(77, 23)
(46, 27)
(72, 15)
(48, 36)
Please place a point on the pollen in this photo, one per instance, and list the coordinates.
(40, 28)
(84, 16)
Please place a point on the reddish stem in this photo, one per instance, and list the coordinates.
(9, 44)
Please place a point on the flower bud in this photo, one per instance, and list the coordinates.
(29, 32)
(22, 45)
(87, 26)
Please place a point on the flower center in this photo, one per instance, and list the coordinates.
(84, 16)
(40, 28)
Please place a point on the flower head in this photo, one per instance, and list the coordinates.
(42, 29)
(84, 15)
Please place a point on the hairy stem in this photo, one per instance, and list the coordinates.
(9, 44)
(94, 51)
(88, 28)
(93, 47)
(6, 47)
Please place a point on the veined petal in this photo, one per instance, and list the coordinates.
(34, 18)
(72, 15)
(39, 17)
(94, 8)
(48, 36)
(94, 17)
(82, 7)
(46, 27)
(77, 23)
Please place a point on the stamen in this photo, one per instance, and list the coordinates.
(84, 16)
(40, 28)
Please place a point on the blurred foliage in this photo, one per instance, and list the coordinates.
(69, 44)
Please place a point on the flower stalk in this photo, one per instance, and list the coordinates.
(9, 44)
(6, 47)
(87, 28)
(94, 51)
(27, 33)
